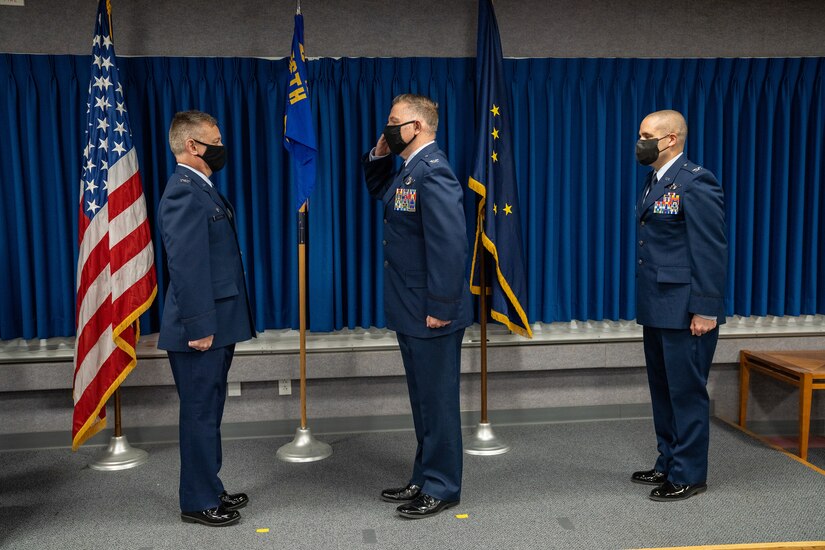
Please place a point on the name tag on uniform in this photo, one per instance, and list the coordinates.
(405, 199)
(668, 205)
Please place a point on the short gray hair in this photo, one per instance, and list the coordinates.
(423, 106)
(187, 124)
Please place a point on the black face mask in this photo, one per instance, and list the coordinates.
(647, 150)
(392, 133)
(214, 156)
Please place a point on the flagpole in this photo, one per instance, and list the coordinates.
(484, 442)
(482, 279)
(303, 447)
(302, 294)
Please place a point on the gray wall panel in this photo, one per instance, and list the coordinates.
(432, 28)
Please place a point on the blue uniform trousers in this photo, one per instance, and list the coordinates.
(678, 364)
(433, 366)
(200, 378)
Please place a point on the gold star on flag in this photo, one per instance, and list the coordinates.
(495, 110)
(495, 208)
(494, 156)
(494, 133)
(508, 209)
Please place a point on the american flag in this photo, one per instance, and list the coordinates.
(115, 267)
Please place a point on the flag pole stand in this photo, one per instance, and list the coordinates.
(119, 455)
(304, 447)
(484, 441)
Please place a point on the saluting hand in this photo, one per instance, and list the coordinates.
(381, 148)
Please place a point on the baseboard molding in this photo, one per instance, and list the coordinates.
(139, 435)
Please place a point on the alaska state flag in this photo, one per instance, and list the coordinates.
(299, 134)
(494, 178)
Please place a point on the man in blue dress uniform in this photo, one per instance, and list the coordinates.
(205, 313)
(426, 294)
(681, 259)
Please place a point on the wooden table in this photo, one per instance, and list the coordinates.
(803, 369)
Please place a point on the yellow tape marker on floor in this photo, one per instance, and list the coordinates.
(462, 516)
(264, 530)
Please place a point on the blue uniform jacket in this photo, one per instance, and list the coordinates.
(681, 248)
(207, 290)
(425, 243)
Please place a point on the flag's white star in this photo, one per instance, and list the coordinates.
(119, 88)
(87, 151)
(103, 144)
(103, 124)
(120, 128)
(90, 186)
(96, 40)
(92, 206)
(121, 108)
(104, 164)
(90, 164)
(107, 63)
(119, 148)
(99, 83)
(107, 42)
(102, 103)
(97, 61)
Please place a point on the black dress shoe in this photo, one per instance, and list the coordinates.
(424, 506)
(649, 477)
(401, 494)
(214, 517)
(671, 491)
(233, 502)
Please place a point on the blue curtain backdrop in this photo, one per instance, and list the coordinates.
(757, 123)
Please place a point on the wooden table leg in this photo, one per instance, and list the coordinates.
(805, 391)
(744, 382)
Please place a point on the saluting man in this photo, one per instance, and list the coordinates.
(426, 294)
(205, 313)
(681, 260)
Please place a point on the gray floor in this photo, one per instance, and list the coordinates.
(563, 486)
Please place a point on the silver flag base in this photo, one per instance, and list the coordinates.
(119, 456)
(484, 442)
(304, 448)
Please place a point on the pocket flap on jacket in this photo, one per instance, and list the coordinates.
(673, 275)
(224, 289)
(415, 279)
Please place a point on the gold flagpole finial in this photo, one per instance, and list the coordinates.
(109, 12)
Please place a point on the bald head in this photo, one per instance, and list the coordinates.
(669, 122)
(669, 129)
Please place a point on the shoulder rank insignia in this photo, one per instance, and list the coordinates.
(185, 179)
(434, 161)
(696, 169)
(409, 180)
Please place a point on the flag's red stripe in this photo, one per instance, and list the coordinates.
(95, 264)
(122, 198)
(83, 222)
(89, 334)
(133, 298)
(130, 246)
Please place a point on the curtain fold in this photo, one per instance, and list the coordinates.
(758, 124)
